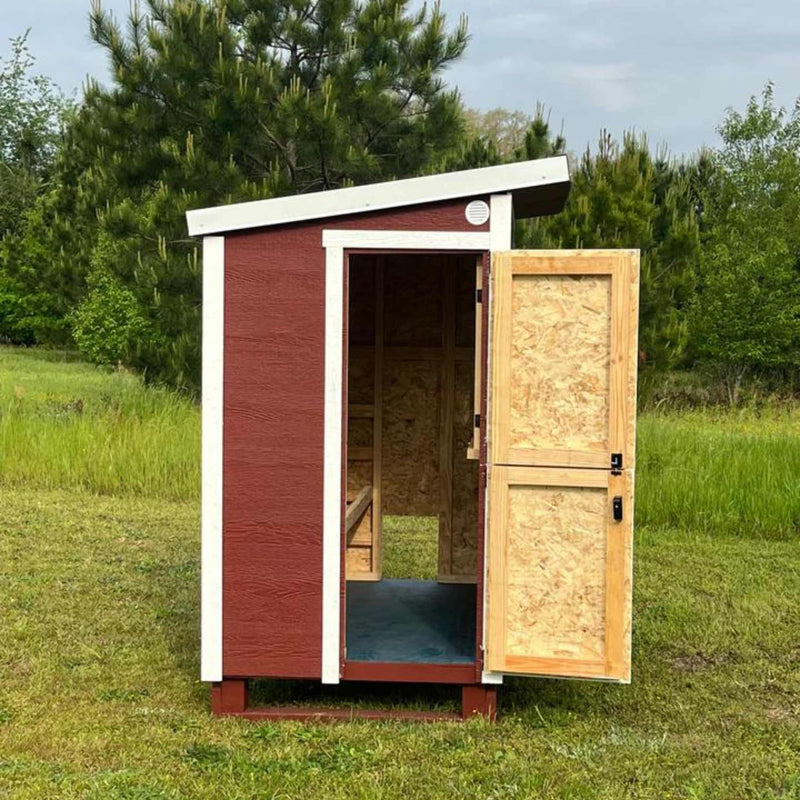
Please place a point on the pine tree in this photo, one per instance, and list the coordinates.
(622, 196)
(217, 101)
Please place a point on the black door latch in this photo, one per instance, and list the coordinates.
(616, 508)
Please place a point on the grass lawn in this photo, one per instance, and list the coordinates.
(99, 696)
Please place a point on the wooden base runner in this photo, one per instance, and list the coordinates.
(229, 698)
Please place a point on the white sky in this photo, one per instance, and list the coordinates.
(667, 67)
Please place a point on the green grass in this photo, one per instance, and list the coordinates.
(411, 547)
(100, 698)
(64, 424)
(721, 472)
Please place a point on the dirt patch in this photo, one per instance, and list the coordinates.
(781, 714)
(700, 661)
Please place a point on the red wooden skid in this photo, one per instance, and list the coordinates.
(347, 714)
(229, 698)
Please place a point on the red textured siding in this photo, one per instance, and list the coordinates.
(273, 438)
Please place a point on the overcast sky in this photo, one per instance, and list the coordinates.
(667, 67)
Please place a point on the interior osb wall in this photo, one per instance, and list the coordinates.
(428, 333)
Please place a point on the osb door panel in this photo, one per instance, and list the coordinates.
(563, 400)
(564, 357)
(559, 572)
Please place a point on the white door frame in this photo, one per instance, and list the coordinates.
(335, 243)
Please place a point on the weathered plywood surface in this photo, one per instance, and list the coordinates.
(412, 397)
(560, 355)
(556, 551)
(413, 301)
(360, 377)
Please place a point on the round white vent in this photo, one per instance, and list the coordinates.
(477, 212)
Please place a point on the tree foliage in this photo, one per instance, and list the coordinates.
(216, 101)
(624, 196)
(747, 311)
(31, 114)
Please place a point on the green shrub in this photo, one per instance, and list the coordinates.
(108, 324)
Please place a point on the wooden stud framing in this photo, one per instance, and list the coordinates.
(377, 425)
(446, 414)
(474, 451)
(396, 353)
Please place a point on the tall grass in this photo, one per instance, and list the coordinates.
(720, 472)
(65, 424)
(70, 425)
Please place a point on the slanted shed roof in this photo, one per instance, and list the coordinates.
(538, 187)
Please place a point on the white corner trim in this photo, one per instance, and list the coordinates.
(377, 196)
(501, 221)
(211, 504)
(406, 240)
(332, 471)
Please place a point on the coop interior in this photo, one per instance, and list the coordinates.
(411, 519)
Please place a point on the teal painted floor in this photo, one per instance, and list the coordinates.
(411, 621)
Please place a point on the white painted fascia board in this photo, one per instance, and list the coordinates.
(212, 420)
(406, 240)
(379, 196)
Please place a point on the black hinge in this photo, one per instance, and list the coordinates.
(477, 420)
(479, 295)
(616, 506)
(616, 463)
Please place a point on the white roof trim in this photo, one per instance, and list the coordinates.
(378, 196)
(406, 240)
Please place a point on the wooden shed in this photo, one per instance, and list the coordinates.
(380, 354)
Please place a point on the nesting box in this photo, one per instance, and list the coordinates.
(381, 353)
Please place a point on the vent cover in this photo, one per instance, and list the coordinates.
(477, 212)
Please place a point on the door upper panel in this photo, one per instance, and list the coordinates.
(564, 357)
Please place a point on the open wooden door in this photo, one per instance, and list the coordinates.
(561, 460)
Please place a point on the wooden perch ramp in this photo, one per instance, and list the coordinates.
(357, 509)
